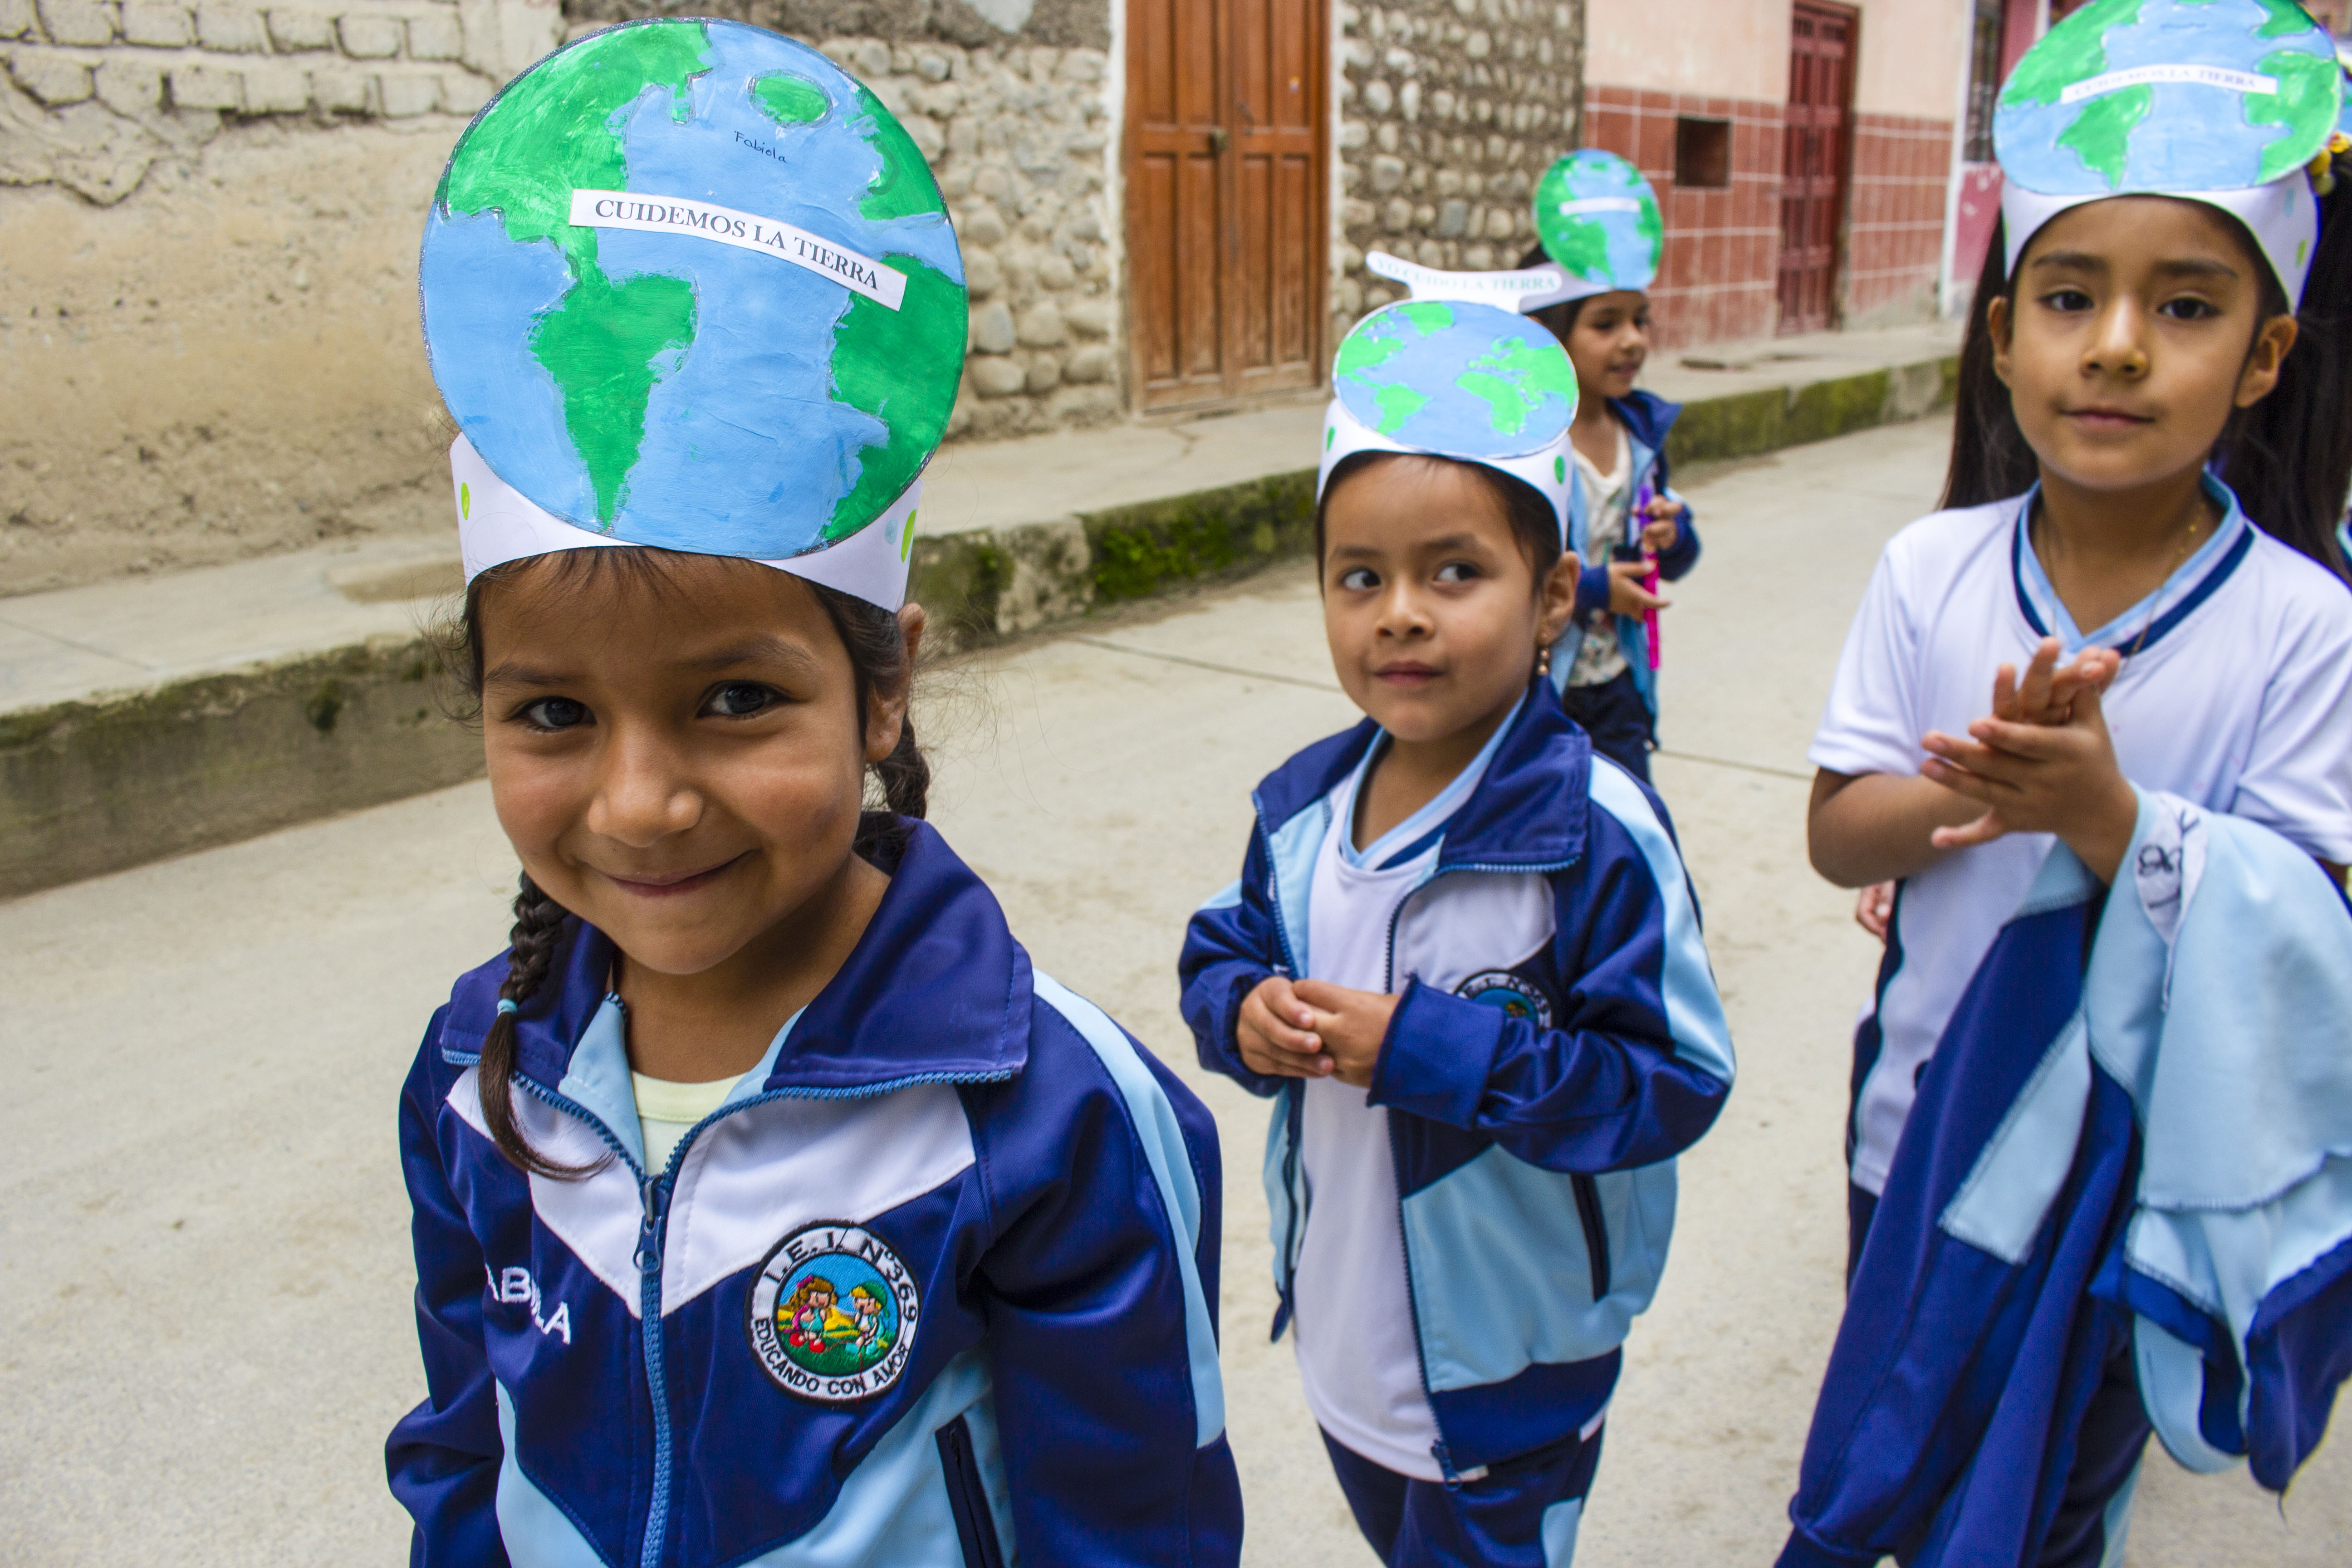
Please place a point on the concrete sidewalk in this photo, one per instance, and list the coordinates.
(149, 715)
(208, 1289)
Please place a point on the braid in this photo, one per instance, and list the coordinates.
(530, 953)
(878, 663)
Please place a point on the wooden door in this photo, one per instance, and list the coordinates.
(1225, 149)
(1815, 157)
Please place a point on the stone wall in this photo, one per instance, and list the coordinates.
(1019, 136)
(208, 339)
(1449, 110)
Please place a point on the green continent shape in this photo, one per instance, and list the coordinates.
(1362, 352)
(1581, 244)
(1651, 226)
(550, 132)
(1538, 369)
(903, 187)
(1507, 406)
(2074, 51)
(1398, 403)
(2285, 21)
(1427, 316)
(2305, 104)
(601, 342)
(900, 367)
(790, 99)
(2101, 131)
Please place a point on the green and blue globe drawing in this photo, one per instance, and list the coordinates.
(663, 388)
(2169, 95)
(1598, 219)
(1458, 379)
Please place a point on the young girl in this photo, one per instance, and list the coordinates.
(1598, 220)
(1464, 959)
(2096, 1188)
(768, 1207)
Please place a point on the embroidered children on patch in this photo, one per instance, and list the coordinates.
(832, 1314)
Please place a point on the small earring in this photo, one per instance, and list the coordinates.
(1543, 659)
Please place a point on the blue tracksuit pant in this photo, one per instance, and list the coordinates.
(1522, 1514)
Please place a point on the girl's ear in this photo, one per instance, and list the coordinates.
(2264, 359)
(1999, 321)
(1556, 597)
(885, 713)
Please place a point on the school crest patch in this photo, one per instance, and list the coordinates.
(832, 1314)
(1513, 994)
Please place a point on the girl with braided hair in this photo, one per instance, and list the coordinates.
(761, 1046)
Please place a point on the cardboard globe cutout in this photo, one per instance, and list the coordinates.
(1598, 219)
(1599, 224)
(2223, 101)
(1454, 379)
(687, 284)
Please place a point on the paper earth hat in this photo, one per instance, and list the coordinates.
(2222, 102)
(1598, 221)
(1454, 379)
(687, 284)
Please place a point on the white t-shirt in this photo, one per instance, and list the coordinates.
(668, 1110)
(1600, 656)
(1352, 1323)
(2239, 698)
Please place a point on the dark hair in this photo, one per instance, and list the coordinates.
(2288, 457)
(1535, 523)
(1559, 320)
(878, 663)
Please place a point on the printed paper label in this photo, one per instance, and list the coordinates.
(2138, 76)
(1511, 290)
(745, 231)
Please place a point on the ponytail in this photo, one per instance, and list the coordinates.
(2288, 457)
(531, 953)
(878, 664)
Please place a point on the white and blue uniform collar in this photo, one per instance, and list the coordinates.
(2146, 623)
(1418, 834)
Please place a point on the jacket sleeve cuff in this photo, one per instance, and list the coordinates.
(1683, 554)
(1592, 590)
(1439, 1053)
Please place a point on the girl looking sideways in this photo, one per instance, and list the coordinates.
(2078, 1212)
(768, 1207)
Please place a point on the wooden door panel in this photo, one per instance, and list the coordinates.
(1225, 200)
(1815, 162)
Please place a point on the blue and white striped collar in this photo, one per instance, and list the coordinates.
(2146, 623)
(1419, 832)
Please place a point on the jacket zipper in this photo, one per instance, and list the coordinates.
(654, 1193)
(1440, 1450)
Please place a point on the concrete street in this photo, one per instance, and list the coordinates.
(206, 1302)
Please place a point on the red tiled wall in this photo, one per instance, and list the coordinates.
(1719, 278)
(1895, 211)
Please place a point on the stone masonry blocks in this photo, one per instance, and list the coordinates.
(296, 30)
(16, 18)
(158, 25)
(370, 37)
(1453, 108)
(276, 89)
(404, 97)
(205, 86)
(437, 36)
(231, 28)
(84, 22)
(55, 80)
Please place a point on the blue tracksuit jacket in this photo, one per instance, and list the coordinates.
(1559, 1040)
(937, 1286)
(1647, 418)
(2137, 1129)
